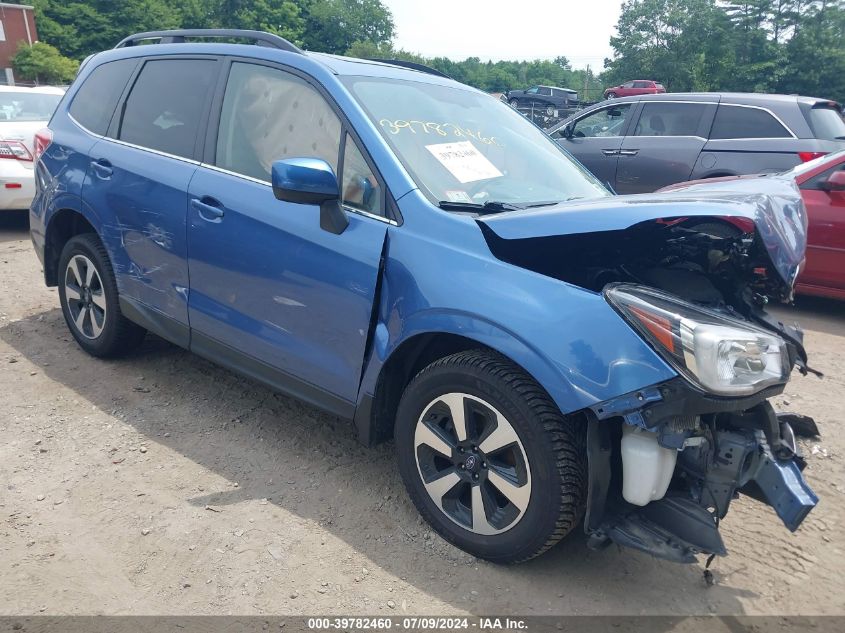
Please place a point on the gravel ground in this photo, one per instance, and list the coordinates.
(162, 484)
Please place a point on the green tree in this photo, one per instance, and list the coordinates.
(686, 44)
(283, 17)
(43, 63)
(333, 26)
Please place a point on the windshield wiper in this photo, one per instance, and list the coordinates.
(491, 206)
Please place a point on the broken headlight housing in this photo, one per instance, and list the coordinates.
(722, 355)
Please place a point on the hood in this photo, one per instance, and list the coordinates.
(774, 205)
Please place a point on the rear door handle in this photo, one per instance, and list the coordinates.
(208, 208)
(628, 152)
(102, 168)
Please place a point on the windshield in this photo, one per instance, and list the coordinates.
(827, 123)
(27, 106)
(465, 147)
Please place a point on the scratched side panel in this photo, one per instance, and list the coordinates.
(143, 208)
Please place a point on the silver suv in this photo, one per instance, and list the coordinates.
(642, 143)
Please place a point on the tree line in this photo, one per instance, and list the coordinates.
(785, 46)
(789, 46)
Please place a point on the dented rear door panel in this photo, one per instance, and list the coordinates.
(145, 232)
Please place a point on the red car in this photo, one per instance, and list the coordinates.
(636, 87)
(822, 184)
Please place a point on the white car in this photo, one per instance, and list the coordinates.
(23, 111)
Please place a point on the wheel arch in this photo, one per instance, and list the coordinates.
(63, 224)
(376, 410)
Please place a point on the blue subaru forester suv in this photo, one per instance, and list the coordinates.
(408, 253)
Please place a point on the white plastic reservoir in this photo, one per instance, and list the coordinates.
(647, 467)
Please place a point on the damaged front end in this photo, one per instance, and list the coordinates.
(665, 462)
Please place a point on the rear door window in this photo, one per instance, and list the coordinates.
(165, 106)
(269, 114)
(745, 122)
(95, 101)
(670, 119)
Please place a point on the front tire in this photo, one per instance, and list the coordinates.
(488, 459)
(89, 300)
(611, 95)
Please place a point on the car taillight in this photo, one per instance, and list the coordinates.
(43, 138)
(806, 157)
(14, 150)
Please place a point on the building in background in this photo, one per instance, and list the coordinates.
(17, 24)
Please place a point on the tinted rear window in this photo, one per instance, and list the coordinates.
(742, 122)
(95, 101)
(164, 108)
(826, 123)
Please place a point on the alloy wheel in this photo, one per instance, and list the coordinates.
(472, 463)
(85, 296)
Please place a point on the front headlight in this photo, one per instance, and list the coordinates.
(722, 355)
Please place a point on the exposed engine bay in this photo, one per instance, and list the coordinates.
(666, 462)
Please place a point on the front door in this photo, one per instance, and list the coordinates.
(271, 292)
(596, 138)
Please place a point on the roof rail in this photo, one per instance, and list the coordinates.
(413, 66)
(178, 36)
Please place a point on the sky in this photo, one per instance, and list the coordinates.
(579, 30)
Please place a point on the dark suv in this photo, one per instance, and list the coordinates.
(547, 98)
(640, 144)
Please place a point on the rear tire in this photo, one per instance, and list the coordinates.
(89, 300)
(514, 480)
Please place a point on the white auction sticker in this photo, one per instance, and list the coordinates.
(464, 161)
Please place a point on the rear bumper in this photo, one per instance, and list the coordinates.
(724, 448)
(17, 185)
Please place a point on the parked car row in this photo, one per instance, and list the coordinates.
(412, 255)
(547, 98)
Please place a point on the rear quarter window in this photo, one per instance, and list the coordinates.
(743, 122)
(826, 123)
(95, 101)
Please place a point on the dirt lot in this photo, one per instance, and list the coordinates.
(161, 484)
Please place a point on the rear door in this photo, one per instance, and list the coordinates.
(272, 293)
(662, 147)
(138, 179)
(596, 139)
(825, 264)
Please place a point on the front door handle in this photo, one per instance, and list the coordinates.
(208, 208)
(610, 152)
(628, 152)
(102, 168)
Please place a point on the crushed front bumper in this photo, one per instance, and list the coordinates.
(726, 447)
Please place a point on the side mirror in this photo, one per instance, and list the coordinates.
(566, 132)
(834, 182)
(310, 181)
